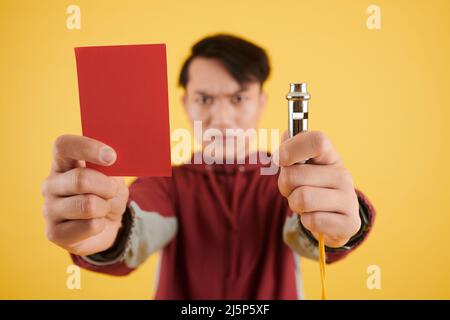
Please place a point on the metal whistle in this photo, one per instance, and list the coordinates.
(298, 98)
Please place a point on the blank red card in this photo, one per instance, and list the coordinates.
(124, 103)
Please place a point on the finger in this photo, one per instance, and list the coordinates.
(336, 228)
(71, 232)
(275, 155)
(69, 149)
(82, 181)
(94, 244)
(119, 203)
(284, 136)
(76, 207)
(309, 199)
(312, 145)
(323, 176)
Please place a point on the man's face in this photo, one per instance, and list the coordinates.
(216, 99)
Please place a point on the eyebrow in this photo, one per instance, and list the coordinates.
(211, 95)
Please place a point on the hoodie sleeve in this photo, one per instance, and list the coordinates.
(148, 224)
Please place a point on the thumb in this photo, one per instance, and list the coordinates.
(284, 136)
(276, 154)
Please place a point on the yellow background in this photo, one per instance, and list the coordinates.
(381, 96)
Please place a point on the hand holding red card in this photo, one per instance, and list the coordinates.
(124, 103)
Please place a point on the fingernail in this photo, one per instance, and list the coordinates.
(107, 155)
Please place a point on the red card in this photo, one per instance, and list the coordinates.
(124, 103)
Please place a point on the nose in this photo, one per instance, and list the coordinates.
(222, 113)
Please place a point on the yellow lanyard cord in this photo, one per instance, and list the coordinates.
(322, 266)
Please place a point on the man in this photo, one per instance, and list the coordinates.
(224, 230)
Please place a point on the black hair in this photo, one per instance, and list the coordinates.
(245, 61)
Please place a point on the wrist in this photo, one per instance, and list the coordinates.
(116, 250)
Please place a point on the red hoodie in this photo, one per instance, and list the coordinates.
(224, 231)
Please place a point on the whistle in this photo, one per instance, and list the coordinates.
(298, 98)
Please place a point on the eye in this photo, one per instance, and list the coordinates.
(237, 99)
(205, 100)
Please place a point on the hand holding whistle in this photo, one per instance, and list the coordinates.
(313, 179)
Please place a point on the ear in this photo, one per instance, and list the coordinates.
(184, 102)
(183, 99)
(262, 100)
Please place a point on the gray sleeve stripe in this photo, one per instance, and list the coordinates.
(298, 276)
(295, 239)
(151, 232)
